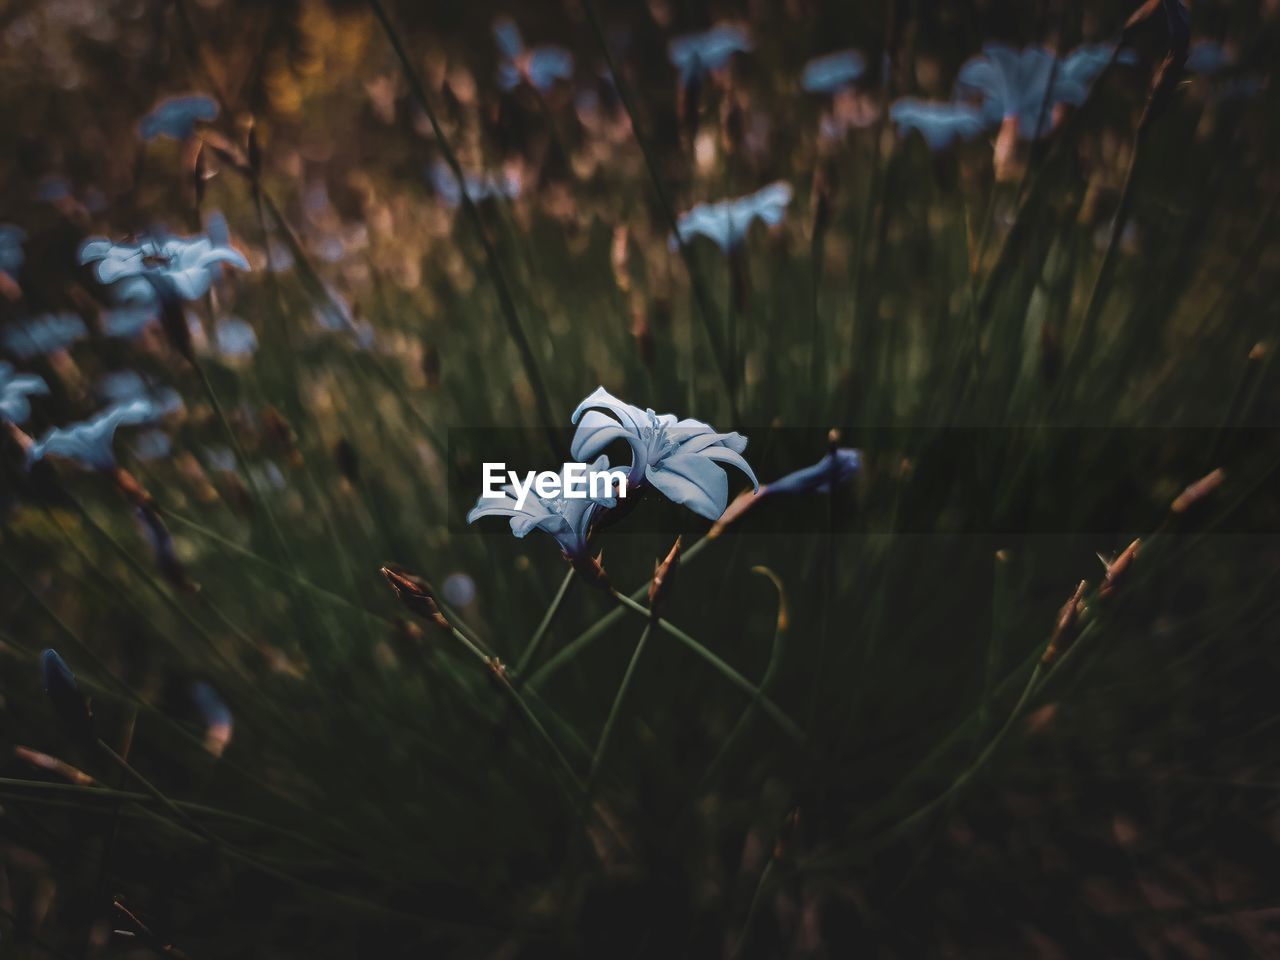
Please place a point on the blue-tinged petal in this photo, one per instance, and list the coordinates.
(176, 117)
(95, 249)
(90, 443)
(508, 76)
(219, 231)
(696, 442)
(504, 506)
(227, 255)
(549, 64)
(46, 333)
(725, 455)
(235, 337)
(445, 184)
(596, 431)
(190, 284)
(633, 418)
(507, 36)
(15, 391)
(817, 478)
(832, 72)
(941, 124)
(692, 481)
(128, 321)
(116, 265)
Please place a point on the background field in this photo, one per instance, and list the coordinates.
(840, 743)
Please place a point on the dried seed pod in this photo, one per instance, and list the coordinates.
(1066, 627)
(1197, 491)
(592, 570)
(133, 491)
(53, 765)
(664, 573)
(1117, 569)
(788, 834)
(68, 702)
(416, 594)
(740, 505)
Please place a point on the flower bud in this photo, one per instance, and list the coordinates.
(416, 594)
(663, 575)
(60, 686)
(1064, 631)
(1197, 491)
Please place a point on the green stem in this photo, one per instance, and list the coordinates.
(616, 709)
(505, 299)
(907, 823)
(259, 495)
(531, 649)
(766, 681)
(775, 713)
(540, 676)
(705, 310)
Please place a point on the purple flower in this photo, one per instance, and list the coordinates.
(833, 72)
(176, 117)
(16, 389)
(726, 223)
(90, 443)
(679, 458)
(567, 519)
(1025, 85)
(840, 465)
(695, 53)
(941, 124)
(46, 333)
(541, 66)
(180, 267)
(478, 186)
(216, 716)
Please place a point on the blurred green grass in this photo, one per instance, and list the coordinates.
(379, 795)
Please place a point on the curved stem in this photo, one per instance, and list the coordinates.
(597, 629)
(612, 720)
(775, 713)
(705, 310)
(505, 299)
(531, 649)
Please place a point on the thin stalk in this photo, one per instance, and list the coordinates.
(259, 495)
(705, 310)
(540, 676)
(607, 733)
(1106, 270)
(775, 713)
(907, 823)
(531, 649)
(505, 299)
(766, 681)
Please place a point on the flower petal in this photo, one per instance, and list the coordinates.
(693, 481)
(596, 431)
(633, 418)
